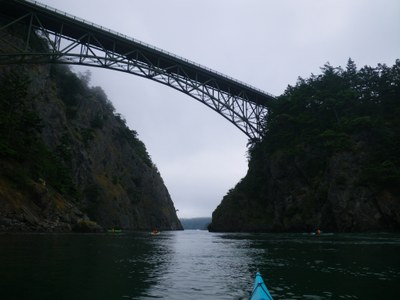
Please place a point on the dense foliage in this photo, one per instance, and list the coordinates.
(68, 161)
(332, 111)
(328, 158)
(23, 153)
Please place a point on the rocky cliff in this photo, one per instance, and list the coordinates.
(329, 158)
(69, 162)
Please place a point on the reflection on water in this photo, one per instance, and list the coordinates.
(198, 265)
(204, 266)
(341, 266)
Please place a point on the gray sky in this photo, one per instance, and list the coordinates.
(265, 43)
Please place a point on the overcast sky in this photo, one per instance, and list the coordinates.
(264, 43)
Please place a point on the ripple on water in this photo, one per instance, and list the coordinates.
(200, 265)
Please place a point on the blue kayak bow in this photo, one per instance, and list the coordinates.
(260, 290)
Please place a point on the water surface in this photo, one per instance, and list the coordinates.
(198, 265)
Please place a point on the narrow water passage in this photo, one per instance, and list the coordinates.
(198, 265)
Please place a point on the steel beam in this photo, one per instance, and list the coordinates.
(72, 40)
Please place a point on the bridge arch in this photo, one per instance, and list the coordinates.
(73, 40)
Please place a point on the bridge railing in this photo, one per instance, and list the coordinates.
(149, 46)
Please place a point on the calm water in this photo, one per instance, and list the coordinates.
(198, 265)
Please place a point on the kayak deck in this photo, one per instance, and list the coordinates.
(260, 290)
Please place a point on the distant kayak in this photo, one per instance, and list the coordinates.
(260, 290)
(155, 232)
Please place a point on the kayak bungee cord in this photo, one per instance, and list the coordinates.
(260, 290)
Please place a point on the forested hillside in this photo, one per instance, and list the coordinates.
(196, 223)
(329, 157)
(67, 159)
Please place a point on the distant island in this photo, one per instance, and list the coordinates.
(196, 223)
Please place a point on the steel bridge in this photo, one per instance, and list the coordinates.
(72, 40)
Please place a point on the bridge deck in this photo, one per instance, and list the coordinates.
(62, 23)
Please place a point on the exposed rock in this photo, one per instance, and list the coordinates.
(328, 159)
(287, 200)
(89, 165)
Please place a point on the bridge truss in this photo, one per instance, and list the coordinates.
(70, 40)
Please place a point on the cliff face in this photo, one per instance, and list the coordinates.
(284, 197)
(329, 158)
(68, 161)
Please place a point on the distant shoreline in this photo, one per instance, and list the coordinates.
(195, 223)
